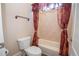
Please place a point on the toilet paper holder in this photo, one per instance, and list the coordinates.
(3, 50)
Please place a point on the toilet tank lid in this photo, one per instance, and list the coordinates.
(24, 38)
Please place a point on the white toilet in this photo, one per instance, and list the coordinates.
(25, 44)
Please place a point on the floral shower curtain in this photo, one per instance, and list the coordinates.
(35, 9)
(63, 15)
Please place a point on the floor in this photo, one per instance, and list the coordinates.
(23, 54)
(42, 55)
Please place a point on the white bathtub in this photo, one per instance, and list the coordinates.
(48, 47)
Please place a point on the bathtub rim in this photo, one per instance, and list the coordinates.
(55, 49)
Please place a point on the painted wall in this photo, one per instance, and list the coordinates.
(49, 28)
(1, 28)
(75, 38)
(16, 28)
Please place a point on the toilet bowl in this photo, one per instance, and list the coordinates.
(33, 51)
(25, 44)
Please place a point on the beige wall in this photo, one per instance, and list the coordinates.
(49, 28)
(1, 28)
(75, 38)
(16, 28)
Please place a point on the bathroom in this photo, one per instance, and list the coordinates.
(18, 23)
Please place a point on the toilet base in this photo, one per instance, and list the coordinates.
(33, 51)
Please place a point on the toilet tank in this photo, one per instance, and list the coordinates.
(24, 42)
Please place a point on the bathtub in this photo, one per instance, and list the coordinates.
(49, 48)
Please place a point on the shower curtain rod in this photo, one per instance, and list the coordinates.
(22, 17)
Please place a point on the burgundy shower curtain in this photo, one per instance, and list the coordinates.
(35, 9)
(63, 15)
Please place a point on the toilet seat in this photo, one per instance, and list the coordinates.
(33, 51)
